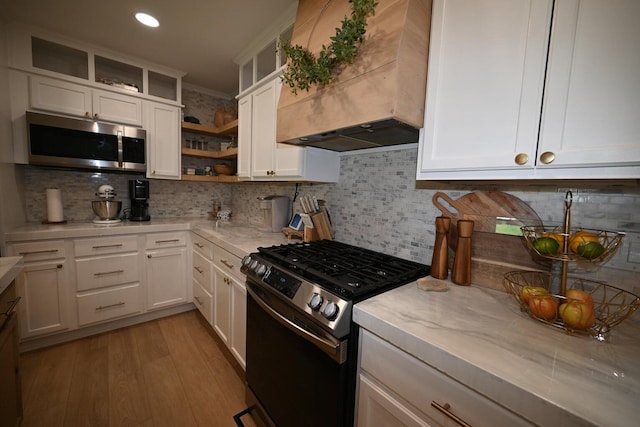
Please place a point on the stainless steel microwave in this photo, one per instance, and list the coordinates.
(75, 143)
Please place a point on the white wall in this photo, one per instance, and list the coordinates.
(12, 202)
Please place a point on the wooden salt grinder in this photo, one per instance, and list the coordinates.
(461, 272)
(440, 259)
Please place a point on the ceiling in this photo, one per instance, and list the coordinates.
(199, 37)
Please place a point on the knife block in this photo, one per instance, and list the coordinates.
(322, 225)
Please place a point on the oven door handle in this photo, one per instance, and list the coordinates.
(336, 350)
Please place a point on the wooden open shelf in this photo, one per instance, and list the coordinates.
(230, 129)
(229, 154)
(207, 178)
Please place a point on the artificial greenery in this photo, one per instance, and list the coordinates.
(304, 69)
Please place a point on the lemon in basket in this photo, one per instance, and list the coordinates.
(546, 245)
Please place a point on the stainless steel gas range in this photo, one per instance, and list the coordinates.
(301, 342)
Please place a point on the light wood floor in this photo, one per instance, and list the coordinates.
(167, 372)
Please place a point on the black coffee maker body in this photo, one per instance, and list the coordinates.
(139, 194)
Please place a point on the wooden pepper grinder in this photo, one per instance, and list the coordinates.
(461, 272)
(440, 259)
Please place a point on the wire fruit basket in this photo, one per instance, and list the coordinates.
(594, 313)
(611, 305)
(608, 242)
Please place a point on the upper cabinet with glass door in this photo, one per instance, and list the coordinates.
(36, 52)
(257, 67)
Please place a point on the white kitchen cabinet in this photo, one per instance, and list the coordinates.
(260, 158)
(238, 337)
(395, 388)
(222, 305)
(162, 123)
(166, 277)
(108, 278)
(45, 287)
(59, 96)
(229, 315)
(522, 90)
(203, 282)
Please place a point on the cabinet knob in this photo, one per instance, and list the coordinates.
(547, 157)
(154, 172)
(522, 158)
(87, 114)
(95, 115)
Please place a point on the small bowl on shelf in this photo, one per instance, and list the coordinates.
(223, 169)
(611, 305)
(585, 245)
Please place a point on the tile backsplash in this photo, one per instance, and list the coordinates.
(377, 204)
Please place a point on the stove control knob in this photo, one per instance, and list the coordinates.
(254, 264)
(246, 260)
(331, 310)
(260, 269)
(315, 302)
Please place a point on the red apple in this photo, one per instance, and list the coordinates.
(577, 314)
(579, 295)
(529, 291)
(543, 306)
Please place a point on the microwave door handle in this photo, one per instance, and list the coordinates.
(335, 351)
(120, 155)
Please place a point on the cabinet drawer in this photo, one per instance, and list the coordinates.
(108, 304)
(202, 245)
(228, 263)
(39, 251)
(105, 245)
(419, 384)
(98, 272)
(166, 240)
(203, 301)
(202, 271)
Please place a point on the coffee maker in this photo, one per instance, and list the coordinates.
(139, 193)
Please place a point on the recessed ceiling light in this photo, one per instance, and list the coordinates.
(147, 20)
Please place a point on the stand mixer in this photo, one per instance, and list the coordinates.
(106, 209)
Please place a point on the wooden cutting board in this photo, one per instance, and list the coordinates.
(497, 244)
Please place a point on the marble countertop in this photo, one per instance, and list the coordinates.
(479, 337)
(239, 239)
(10, 267)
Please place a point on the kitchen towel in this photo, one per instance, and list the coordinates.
(54, 205)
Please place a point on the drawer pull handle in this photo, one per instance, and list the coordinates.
(12, 306)
(104, 273)
(198, 245)
(198, 300)
(48, 251)
(167, 241)
(46, 268)
(226, 263)
(445, 410)
(103, 307)
(198, 269)
(119, 245)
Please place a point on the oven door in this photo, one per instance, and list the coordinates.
(293, 376)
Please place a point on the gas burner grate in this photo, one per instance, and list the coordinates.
(348, 270)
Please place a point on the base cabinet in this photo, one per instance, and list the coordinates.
(397, 387)
(166, 277)
(45, 286)
(10, 385)
(219, 293)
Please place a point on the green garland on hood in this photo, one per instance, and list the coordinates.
(304, 69)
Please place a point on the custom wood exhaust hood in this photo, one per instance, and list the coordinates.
(376, 101)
